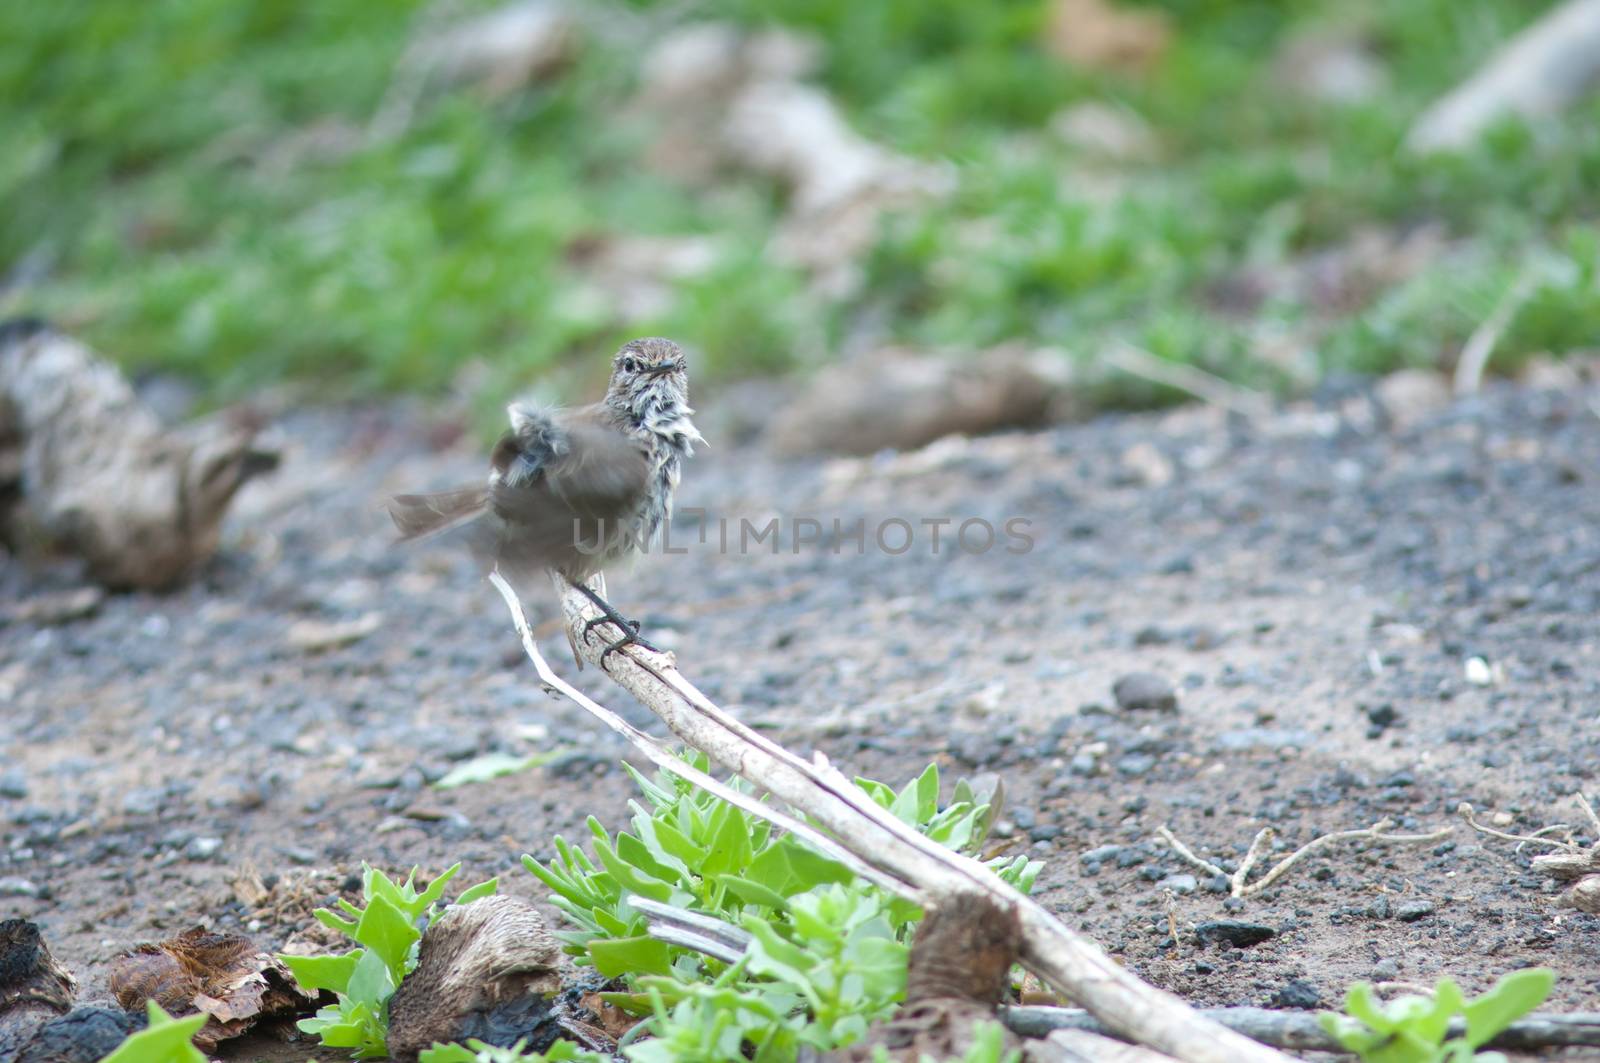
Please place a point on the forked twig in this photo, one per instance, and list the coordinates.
(845, 823)
(1466, 812)
(1238, 886)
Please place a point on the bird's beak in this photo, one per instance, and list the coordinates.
(662, 370)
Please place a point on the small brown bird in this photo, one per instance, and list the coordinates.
(571, 491)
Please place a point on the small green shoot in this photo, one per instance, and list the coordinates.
(165, 1040)
(1414, 1029)
(387, 931)
(827, 952)
(475, 1051)
(491, 766)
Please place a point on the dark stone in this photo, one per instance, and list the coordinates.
(1233, 932)
(1143, 690)
(1297, 994)
(1411, 911)
(1135, 764)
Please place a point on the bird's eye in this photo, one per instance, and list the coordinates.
(629, 365)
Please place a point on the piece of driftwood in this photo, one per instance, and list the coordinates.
(964, 949)
(86, 466)
(35, 995)
(848, 821)
(487, 970)
(1538, 73)
(901, 400)
(1300, 1031)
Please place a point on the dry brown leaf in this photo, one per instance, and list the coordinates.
(1100, 35)
(223, 976)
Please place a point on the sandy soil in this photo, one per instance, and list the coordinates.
(1313, 587)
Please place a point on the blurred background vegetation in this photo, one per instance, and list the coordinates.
(193, 185)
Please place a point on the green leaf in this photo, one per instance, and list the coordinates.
(1506, 1001)
(629, 877)
(636, 955)
(323, 972)
(432, 894)
(753, 892)
(387, 932)
(487, 888)
(927, 791)
(372, 982)
(1360, 1003)
(165, 1040)
(491, 766)
(729, 848)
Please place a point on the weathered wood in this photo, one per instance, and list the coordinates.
(873, 838)
(1300, 1030)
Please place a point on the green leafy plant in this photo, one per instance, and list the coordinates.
(476, 1051)
(826, 952)
(165, 1040)
(1414, 1029)
(386, 930)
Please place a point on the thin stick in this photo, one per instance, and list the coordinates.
(1238, 887)
(1187, 854)
(674, 766)
(1466, 812)
(1202, 385)
(1589, 811)
(1480, 345)
(1258, 845)
(894, 852)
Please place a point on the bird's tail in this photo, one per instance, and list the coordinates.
(425, 516)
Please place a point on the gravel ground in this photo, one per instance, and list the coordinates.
(1375, 606)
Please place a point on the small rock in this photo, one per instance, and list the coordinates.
(1386, 970)
(57, 607)
(13, 784)
(1182, 885)
(1382, 716)
(1380, 908)
(1142, 690)
(1478, 672)
(1297, 994)
(1135, 764)
(17, 886)
(315, 636)
(1217, 884)
(1411, 911)
(142, 802)
(202, 848)
(1234, 932)
(1101, 854)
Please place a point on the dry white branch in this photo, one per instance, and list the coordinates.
(1466, 812)
(1261, 844)
(1538, 73)
(1187, 378)
(1481, 344)
(874, 842)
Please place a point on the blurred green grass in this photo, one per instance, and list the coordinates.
(164, 196)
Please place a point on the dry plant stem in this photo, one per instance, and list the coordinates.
(672, 765)
(1197, 382)
(1238, 887)
(1481, 344)
(1466, 812)
(1588, 810)
(876, 843)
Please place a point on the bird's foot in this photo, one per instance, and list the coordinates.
(609, 615)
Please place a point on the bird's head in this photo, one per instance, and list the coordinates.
(649, 377)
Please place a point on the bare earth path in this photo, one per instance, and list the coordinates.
(1313, 586)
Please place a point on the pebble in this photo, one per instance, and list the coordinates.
(1234, 932)
(202, 848)
(1182, 885)
(1297, 994)
(13, 784)
(16, 886)
(1144, 690)
(1386, 970)
(1135, 764)
(1411, 911)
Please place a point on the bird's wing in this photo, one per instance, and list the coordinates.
(424, 516)
(573, 477)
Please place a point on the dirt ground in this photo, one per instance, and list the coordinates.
(1315, 587)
